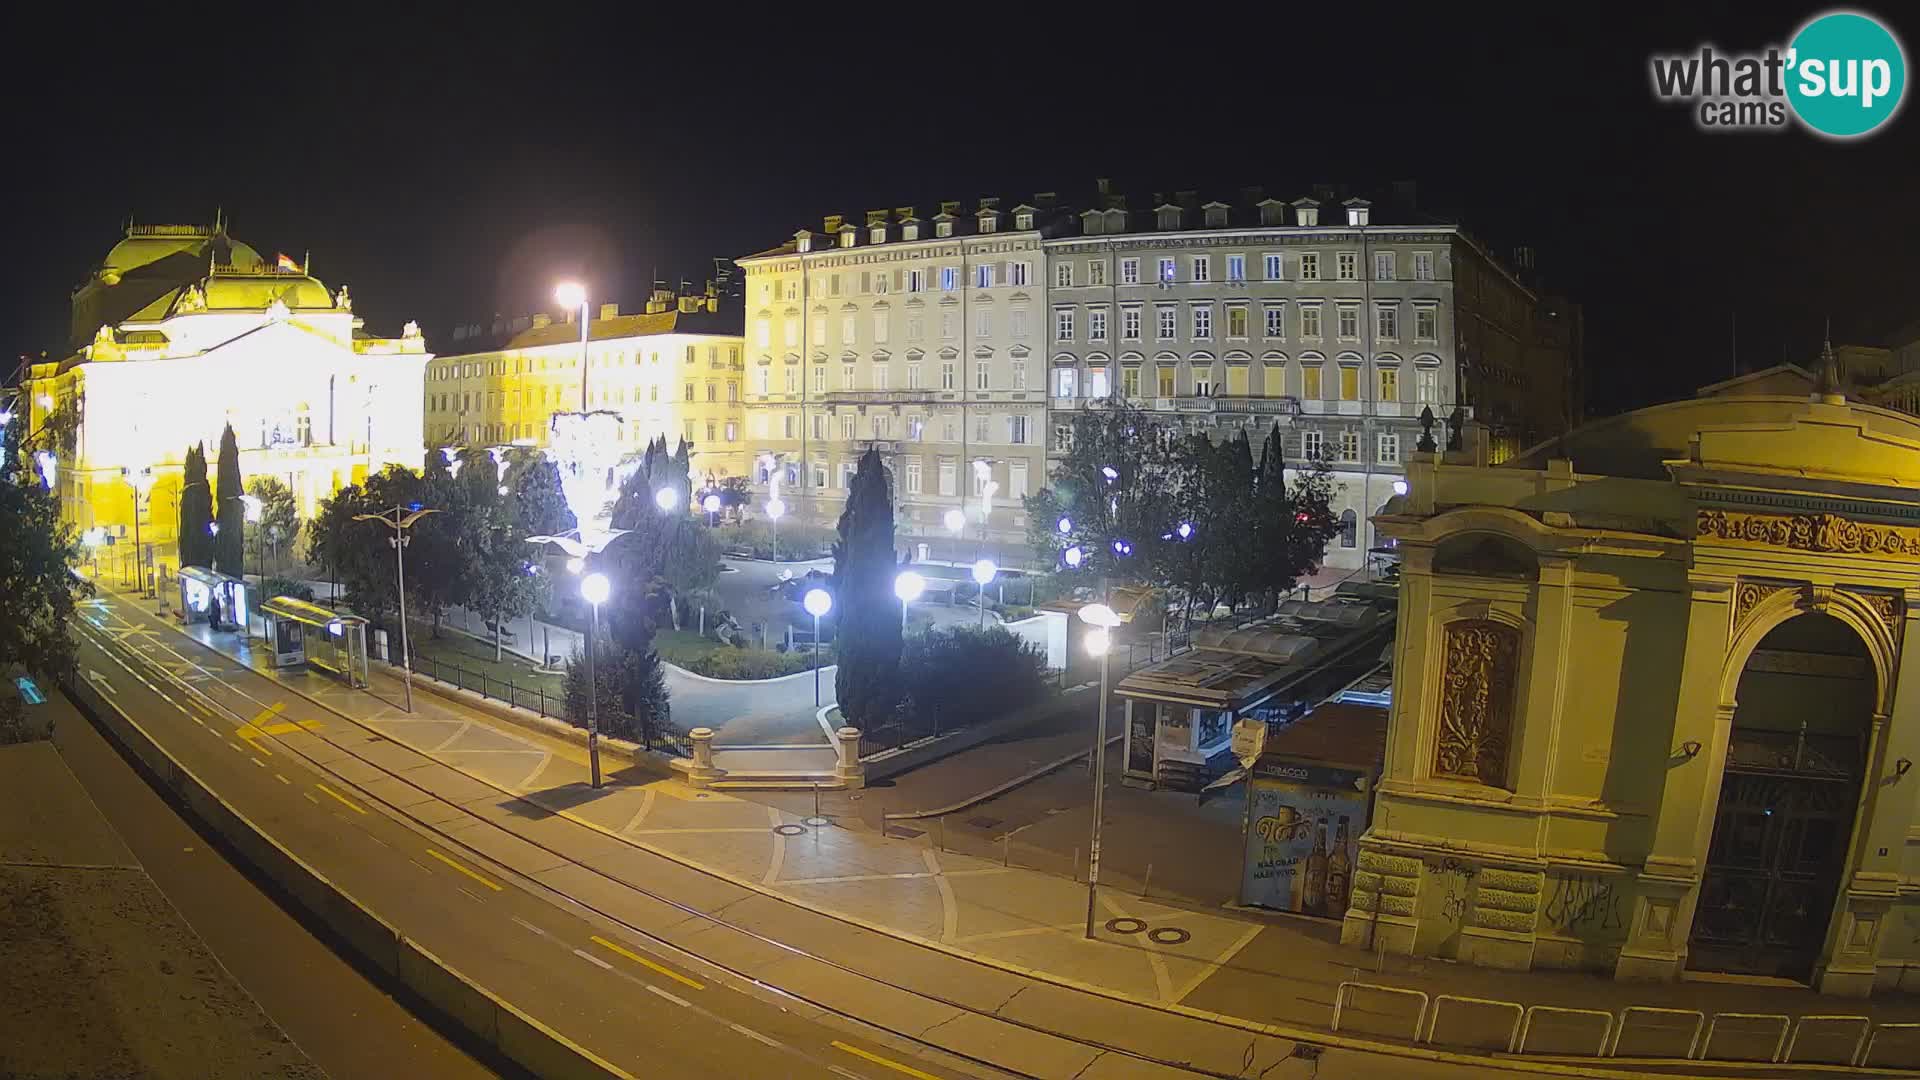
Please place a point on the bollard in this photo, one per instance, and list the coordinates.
(1006, 849)
(1076, 863)
(816, 799)
(703, 771)
(941, 842)
(1148, 883)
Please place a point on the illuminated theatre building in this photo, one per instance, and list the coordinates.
(182, 330)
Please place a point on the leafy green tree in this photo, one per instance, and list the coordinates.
(435, 558)
(1112, 486)
(37, 589)
(539, 504)
(665, 555)
(632, 700)
(196, 510)
(958, 675)
(228, 544)
(1292, 523)
(279, 524)
(867, 645)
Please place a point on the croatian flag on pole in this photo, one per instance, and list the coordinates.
(285, 263)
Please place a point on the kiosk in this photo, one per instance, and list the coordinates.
(299, 632)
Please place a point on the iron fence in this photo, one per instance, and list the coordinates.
(535, 697)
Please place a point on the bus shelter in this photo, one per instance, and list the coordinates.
(299, 632)
(208, 596)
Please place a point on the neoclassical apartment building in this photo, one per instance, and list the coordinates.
(962, 344)
(1337, 318)
(673, 369)
(921, 337)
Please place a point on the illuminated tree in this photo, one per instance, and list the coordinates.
(37, 588)
(279, 522)
(229, 543)
(196, 510)
(866, 613)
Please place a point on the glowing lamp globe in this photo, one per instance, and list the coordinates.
(1074, 557)
(711, 504)
(1399, 487)
(908, 587)
(666, 499)
(817, 602)
(775, 508)
(1098, 642)
(1099, 615)
(956, 520)
(595, 588)
(983, 571)
(1065, 525)
(570, 294)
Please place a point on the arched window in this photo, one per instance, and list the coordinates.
(1349, 528)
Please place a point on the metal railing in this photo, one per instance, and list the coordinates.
(649, 734)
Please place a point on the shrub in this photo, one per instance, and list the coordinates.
(717, 661)
(791, 542)
(17, 727)
(632, 701)
(284, 586)
(960, 675)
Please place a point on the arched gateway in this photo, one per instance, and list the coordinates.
(1649, 713)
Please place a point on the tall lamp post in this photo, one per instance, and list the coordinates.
(572, 294)
(908, 587)
(400, 519)
(817, 602)
(594, 589)
(711, 504)
(252, 507)
(1100, 644)
(142, 483)
(983, 573)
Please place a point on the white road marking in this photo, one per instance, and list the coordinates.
(596, 961)
(258, 762)
(752, 1034)
(308, 795)
(282, 779)
(527, 925)
(469, 895)
(680, 1001)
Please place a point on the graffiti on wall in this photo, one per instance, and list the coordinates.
(1585, 906)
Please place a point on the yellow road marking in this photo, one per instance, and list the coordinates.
(341, 799)
(464, 870)
(251, 730)
(289, 727)
(644, 962)
(888, 1062)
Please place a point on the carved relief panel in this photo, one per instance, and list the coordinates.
(1482, 658)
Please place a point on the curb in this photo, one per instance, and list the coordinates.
(1001, 789)
(485, 1015)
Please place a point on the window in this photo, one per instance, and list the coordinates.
(1163, 378)
(1349, 529)
(913, 374)
(946, 375)
(1063, 437)
(713, 392)
(1017, 430)
(880, 377)
(948, 479)
(983, 276)
(946, 326)
(1386, 322)
(916, 281)
(982, 375)
(820, 378)
(989, 223)
(1097, 324)
(1130, 382)
(948, 433)
(1017, 273)
(983, 324)
(689, 430)
(913, 476)
(1387, 448)
(1065, 382)
(1097, 383)
(762, 333)
(1309, 266)
(1129, 271)
(1203, 322)
(1347, 266)
(1168, 327)
(847, 330)
(1203, 382)
(982, 429)
(1166, 271)
(1348, 325)
(1236, 268)
(1423, 266)
(1349, 445)
(1276, 320)
(1426, 386)
(1130, 324)
(1272, 265)
(916, 428)
(915, 328)
(1202, 267)
(820, 467)
(880, 327)
(1237, 321)
(1311, 446)
(1017, 323)
(1383, 266)
(1426, 323)
(846, 427)
(1310, 321)
(847, 469)
(1389, 384)
(1063, 274)
(761, 378)
(788, 424)
(710, 431)
(949, 277)
(1063, 324)
(1017, 479)
(792, 332)
(689, 391)
(1310, 382)
(1096, 271)
(819, 425)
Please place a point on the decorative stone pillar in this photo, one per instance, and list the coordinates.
(848, 768)
(703, 771)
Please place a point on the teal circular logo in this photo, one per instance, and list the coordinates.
(1847, 74)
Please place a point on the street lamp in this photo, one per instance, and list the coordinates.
(955, 520)
(983, 572)
(908, 587)
(142, 483)
(1099, 643)
(711, 504)
(666, 499)
(253, 509)
(1399, 487)
(400, 519)
(817, 602)
(594, 589)
(572, 294)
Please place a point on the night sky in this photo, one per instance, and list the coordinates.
(452, 169)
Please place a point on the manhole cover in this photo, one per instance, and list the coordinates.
(817, 822)
(1168, 935)
(905, 832)
(984, 822)
(1126, 925)
(789, 830)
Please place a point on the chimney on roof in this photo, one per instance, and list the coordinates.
(609, 311)
(1044, 200)
(689, 303)
(990, 202)
(541, 320)
(1102, 185)
(831, 223)
(876, 217)
(1323, 192)
(950, 206)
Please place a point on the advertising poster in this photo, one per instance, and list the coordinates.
(1304, 822)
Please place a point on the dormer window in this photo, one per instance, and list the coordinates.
(1091, 223)
(910, 231)
(943, 228)
(847, 236)
(803, 241)
(1216, 215)
(1358, 211)
(1023, 221)
(877, 234)
(1307, 212)
(1168, 217)
(989, 223)
(1273, 212)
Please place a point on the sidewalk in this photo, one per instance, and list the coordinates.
(1272, 970)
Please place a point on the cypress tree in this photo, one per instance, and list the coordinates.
(865, 613)
(196, 510)
(229, 545)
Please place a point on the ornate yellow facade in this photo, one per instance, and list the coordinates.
(1652, 711)
(183, 330)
